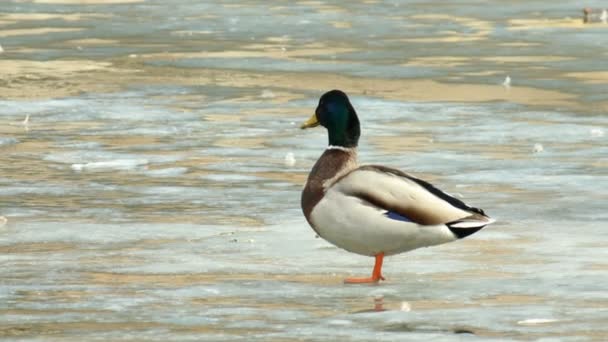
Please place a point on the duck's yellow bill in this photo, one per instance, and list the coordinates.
(312, 122)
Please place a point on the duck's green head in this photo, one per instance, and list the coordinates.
(335, 113)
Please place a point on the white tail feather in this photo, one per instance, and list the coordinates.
(472, 223)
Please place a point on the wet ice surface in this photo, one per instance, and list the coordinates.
(169, 212)
(183, 235)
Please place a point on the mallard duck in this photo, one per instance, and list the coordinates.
(375, 210)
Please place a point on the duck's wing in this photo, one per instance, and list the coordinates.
(407, 198)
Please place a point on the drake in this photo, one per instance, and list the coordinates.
(375, 210)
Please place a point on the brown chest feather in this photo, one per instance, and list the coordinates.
(331, 163)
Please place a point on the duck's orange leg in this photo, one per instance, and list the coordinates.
(376, 273)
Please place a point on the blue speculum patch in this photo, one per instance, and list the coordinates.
(398, 217)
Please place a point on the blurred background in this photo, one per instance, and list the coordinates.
(151, 167)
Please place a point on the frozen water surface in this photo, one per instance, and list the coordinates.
(149, 197)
